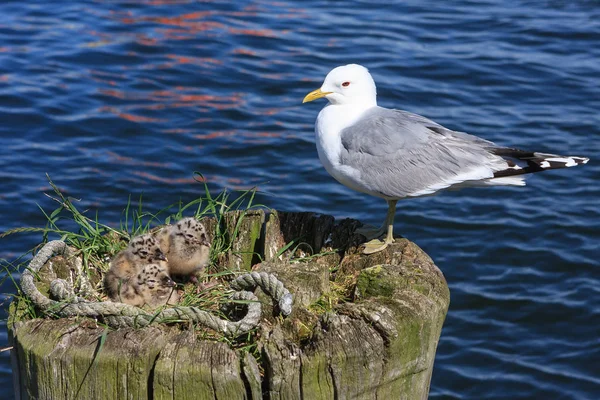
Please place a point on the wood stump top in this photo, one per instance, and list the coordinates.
(361, 327)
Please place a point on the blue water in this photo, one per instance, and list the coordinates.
(117, 98)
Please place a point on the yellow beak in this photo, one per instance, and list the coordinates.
(315, 94)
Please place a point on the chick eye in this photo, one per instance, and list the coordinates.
(346, 84)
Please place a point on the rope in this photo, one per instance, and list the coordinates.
(269, 284)
(119, 315)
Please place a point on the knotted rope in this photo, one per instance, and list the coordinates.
(119, 315)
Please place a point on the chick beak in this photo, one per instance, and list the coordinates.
(201, 242)
(170, 283)
(161, 256)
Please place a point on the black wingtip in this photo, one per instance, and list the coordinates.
(536, 162)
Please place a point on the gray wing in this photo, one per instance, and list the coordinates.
(399, 154)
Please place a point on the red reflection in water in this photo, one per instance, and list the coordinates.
(246, 52)
(247, 137)
(167, 2)
(253, 32)
(175, 34)
(223, 181)
(97, 74)
(184, 21)
(145, 40)
(129, 117)
(117, 158)
(177, 131)
(189, 25)
(268, 111)
(235, 181)
(170, 181)
(110, 83)
(175, 98)
(150, 106)
(99, 171)
(268, 134)
(138, 118)
(214, 135)
(194, 60)
(113, 93)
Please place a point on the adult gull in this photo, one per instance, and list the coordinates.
(395, 154)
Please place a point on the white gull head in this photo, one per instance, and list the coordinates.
(350, 84)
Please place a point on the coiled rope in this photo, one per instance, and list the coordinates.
(118, 315)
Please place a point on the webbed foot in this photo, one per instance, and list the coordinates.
(375, 246)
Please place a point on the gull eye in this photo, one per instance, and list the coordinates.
(346, 84)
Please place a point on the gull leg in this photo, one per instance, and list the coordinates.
(377, 245)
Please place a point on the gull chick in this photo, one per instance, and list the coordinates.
(187, 247)
(143, 249)
(152, 286)
(395, 154)
(155, 286)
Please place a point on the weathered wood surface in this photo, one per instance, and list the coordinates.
(379, 343)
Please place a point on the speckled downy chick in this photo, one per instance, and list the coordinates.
(142, 250)
(156, 286)
(186, 246)
(152, 286)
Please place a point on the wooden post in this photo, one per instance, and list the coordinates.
(362, 327)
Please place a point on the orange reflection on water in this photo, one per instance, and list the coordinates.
(110, 83)
(138, 118)
(99, 171)
(177, 131)
(214, 135)
(173, 98)
(184, 21)
(113, 93)
(194, 60)
(176, 99)
(129, 117)
(247, 137)
(267, 134)
(268, 111)
(117, 158)
(253, 32)
(145, 40)
(170, 181)
(167, 2)
(246, 52)
(221, 180)
(235, 181)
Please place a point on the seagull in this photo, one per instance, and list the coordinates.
(395, 154)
